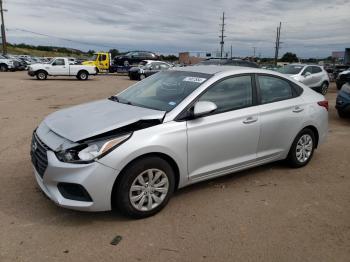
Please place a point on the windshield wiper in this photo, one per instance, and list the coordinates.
(114, 98)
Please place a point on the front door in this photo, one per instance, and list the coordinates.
(227, 138)
(58, 67)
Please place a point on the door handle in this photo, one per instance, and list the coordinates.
(298, 109)
(250, 120)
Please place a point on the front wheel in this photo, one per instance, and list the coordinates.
(142, 76)
(41, 75)
(302, 148)
(145, 187)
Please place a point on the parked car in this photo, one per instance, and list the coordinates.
(19, 65)
(147, 68)
(343, 100)
(133, 58)
(7, 64)
(342, 78)
(176, 128)
(61, 66)
(313, 76)
(228, 61)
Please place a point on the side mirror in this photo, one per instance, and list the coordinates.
(307, 74)
(203, 107)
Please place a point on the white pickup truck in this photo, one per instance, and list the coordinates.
(60, 66)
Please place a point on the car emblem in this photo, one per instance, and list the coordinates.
(34, 146)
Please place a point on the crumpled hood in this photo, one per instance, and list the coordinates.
(91, 119)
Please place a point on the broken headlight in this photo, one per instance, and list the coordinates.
(89, 151)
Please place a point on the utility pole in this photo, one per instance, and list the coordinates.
(278, 42)
(3, 33)
(254, 48)
(231, 51)
(222, 35)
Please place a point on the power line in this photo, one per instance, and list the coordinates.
(62, 38)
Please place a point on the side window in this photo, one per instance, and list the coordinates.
(58, 62)
(230, 94)
(308, 69)
(164, 66)
(274, 89)
(316, 69)
(102, 57)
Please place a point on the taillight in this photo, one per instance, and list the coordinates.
(323, 103)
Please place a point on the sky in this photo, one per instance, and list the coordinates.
(310, 28)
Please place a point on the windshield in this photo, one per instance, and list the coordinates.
(163, 91)
(143, 63)
(94, 57)
(291, 69)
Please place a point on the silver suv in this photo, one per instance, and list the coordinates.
(173, 129)
(313, 76)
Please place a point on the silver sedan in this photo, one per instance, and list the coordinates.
(173, 129)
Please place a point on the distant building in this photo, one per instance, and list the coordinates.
(191, 58)
(342, 56)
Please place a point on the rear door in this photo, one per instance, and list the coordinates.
(281, 114)
(227, 138)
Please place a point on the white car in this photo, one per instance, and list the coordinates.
(313, 76)
(61, 66)
(6, 64)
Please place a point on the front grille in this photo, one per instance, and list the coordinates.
(38, 154)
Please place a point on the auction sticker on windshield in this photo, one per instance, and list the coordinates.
(194, 79)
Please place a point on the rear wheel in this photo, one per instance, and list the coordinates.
(3, 68)
(142, 76)
(83, 75)
(41, 75)
(324, 88)
(302, 148)
(145, 187)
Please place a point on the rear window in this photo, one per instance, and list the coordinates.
(291, 69)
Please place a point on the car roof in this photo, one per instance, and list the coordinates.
(215, 69)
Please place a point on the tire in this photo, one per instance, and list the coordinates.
(324, 88)
(41, 75)
(295, 156)
(342, 114)
(142, 191)
(83, 75)
(3, 68)
(142, 76)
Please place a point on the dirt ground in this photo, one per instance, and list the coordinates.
(269, 213)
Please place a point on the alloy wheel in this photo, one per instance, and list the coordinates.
(149, 189)
(304, 148)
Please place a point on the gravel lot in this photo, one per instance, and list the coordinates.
(269, 213)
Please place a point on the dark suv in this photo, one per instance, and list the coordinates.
(134, 57)
(228, 62)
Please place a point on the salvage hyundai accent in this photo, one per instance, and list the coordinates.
(175, 128)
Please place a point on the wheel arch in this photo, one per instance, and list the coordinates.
(83, 70)
(41, 70)
(315, 131)
(163, 156)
